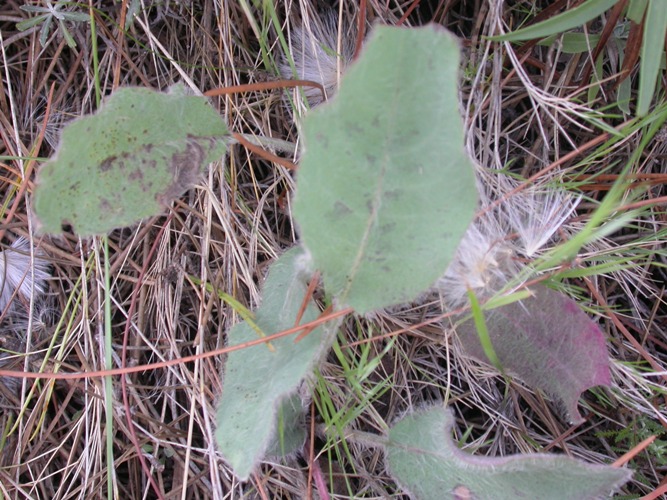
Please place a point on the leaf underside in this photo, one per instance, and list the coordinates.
(385, 189)
(548, 342)
(128, 161)
(423, 458)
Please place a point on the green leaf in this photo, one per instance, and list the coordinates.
(33, 21)
(76, 17)
(423, 458)
(46, 29)
(385, 190)
(653, 48)
(571, 18)
(36, 8)
(258, 380)
(290, 432)
(128, 161)
(69, 39)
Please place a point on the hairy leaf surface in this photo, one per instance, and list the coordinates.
(547, 341)
(128, 161)
(385, 189)
(258, 380)
(423, 458)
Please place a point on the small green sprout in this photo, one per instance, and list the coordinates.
(46, 16)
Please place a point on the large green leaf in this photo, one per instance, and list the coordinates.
(259, 381)
(126, 162)
(423, 458)
(385, 190)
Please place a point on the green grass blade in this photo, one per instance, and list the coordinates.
(653, 48)
(636, 10)
(569, 19)
(96, 62)
(572, 43)
(108, 365)
(503, 300)
(245, 313)
(483, 331)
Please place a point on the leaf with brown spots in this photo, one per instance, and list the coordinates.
(384, 170)
(128, 161)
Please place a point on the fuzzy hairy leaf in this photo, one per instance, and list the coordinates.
(423, 458)
(259, 379)
(290, 432)
(385, 189)
(128, 161)
(548, 342)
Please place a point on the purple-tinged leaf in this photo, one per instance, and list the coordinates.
(548, 342)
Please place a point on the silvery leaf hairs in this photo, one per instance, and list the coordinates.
(504, 237)
(19, 279)
(23, 278)
(320, 52)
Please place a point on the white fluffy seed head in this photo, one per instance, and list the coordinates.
(492, 251)
(535, 215)
(21, 273)
(22, 278)
(482, 263)
(320, 53)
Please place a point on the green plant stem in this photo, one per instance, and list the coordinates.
(96, 62)
(108, 381)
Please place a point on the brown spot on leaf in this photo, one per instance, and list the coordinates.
(341, 209)
(185, 167)
(107, 163)
(105, 206)
(136, 175)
